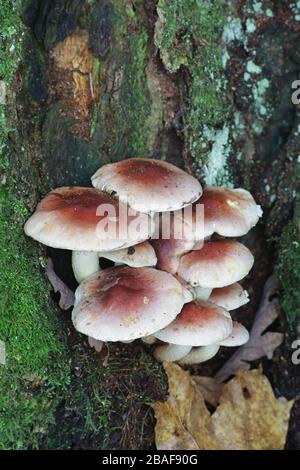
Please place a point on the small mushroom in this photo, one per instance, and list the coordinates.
(173, 238)
(76, 218)
(237, 337)
(230, 297)
(199, 323)
(137, 256)
(148, 185)
(124, 303)
(218, 264)
(228, 212)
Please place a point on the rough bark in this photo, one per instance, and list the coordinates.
(203, 84)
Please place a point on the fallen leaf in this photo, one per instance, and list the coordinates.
(259, 344)
(183, 421)
(67, 296)
(210, 389)
(249, 416)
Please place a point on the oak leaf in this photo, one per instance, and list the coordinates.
(249, 416)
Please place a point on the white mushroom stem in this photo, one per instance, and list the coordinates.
(149, 339)
(84, 263)
(200, 354)
(171, 352)
(203, 293)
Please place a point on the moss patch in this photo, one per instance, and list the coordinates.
(37, 368)
(188, 35)
(288, 271)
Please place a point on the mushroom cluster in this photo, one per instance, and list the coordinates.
(174, 291)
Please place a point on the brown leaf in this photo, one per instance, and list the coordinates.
(249, 416)
(259, 344)
(210, 388)
(183, 421)
(66, 295)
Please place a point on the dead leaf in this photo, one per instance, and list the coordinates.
(249, 416)
(259, 344)
(183, 421)
(210, 389)
(66, 295)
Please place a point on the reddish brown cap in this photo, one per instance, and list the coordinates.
(228, 212)
(199, 323)
(217, 264)
(76, 218)
(148, 185)
(229, 297)
(124, 303)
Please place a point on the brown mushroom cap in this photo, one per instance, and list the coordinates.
(217, 264)
(124, 303)
(148, 185)
(228, 212)
(199, 323)
(238, 336)
(229, 297)
(136, 256)
(67, 218)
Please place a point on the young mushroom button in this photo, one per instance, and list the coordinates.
(218, 264)
(124, 303)
(148, 185)
(76, 218)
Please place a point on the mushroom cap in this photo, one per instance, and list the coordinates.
(229, 297)
(173, 238)
(217, 264)
(76, 218)
(228, 212)
(237, 337)
(136, 256)
(148, 185)
(199, 323)
(124, 303)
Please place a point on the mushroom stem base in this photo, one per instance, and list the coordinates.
(84, 264)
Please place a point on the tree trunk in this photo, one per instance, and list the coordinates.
(203, 84)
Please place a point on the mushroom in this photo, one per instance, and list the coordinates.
(124, 303)
(199, 323)
(218, 264)
(148, 185)
(172, 238)
(228, 212)
(86, 221)
(137, 256)
(230, 297)
(237, 337)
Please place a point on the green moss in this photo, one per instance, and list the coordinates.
(188, 35)
(288, 271)
(37, 369)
